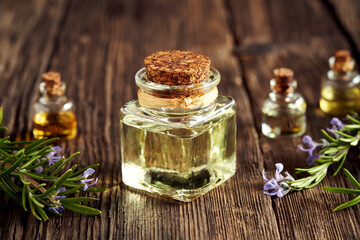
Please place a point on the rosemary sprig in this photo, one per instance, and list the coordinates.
(352, 202)
(28, 179)
(334, 152)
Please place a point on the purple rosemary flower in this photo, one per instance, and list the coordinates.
(51, 155)
(39, 169)
(312, 146)
(88, 173)
(336, 125)
(310, 160)
(60, 190)
(279, 185)
(57, 209)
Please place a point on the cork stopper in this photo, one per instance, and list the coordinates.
(284, 80)
(283, 75)
(175, 67)
(343, 61)
(52, 82)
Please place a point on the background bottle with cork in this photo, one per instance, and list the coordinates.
(340, 91)
(284, 110)
(54, 113)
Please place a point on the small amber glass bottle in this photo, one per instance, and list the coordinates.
(340, 91)
(179, 138)
(284, 110)
(54, 113)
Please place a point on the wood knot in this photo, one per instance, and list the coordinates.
(52, 82)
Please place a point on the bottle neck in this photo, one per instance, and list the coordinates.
(283, 88)
(341, 76)
(47, 98)
(177, 99)
(176, 112)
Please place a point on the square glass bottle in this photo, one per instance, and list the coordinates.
(182, 151)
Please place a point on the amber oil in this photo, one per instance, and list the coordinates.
(62, 124)
(54, 113)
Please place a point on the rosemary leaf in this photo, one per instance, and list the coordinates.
(92, 189)
(32, 208)
(42, 213)
(63, 163)
(352, 179)
(81, 209)
(24, 194)
(342, 190)
(58, 183)
(13, 166)
(347, 204)
(77, 199)
(10, 193)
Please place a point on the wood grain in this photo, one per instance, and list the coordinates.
(99, 45)
(24, 55)
(347, 15)
(282, 37)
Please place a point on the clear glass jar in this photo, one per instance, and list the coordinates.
(54, 115)
(176, 152)
(340, 91)
(284, 111)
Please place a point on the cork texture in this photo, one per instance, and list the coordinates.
(175, 67)
(283, 75)
(342, 56)
(343, 61)
(52, 82)
(283, 78)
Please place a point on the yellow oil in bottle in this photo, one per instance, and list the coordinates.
(61, 124)
(283, 124)
(340, 101)
(177, 160)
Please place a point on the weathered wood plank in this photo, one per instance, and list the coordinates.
(98, 47)
(27, 38)
(98, 59)
(300, 35)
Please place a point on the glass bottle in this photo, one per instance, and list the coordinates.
(340, 91)
(284, 110)
(178, 152)
(54, 113)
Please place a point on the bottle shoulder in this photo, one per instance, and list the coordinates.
(290, 102)
(134, 114)
(62, 104)
(295, 97)
(333, 78)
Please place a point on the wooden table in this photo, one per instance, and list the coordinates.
(99, 45)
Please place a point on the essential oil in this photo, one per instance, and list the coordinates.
(340, 93)
(54, 115)
(181, 151)
(284, 111)
(61, 124)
